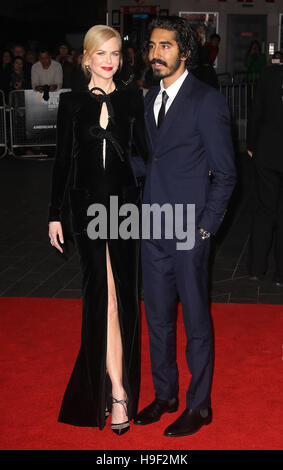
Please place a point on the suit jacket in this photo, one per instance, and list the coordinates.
(191, 156)
(266, 125)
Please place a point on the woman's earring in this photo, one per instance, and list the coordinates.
(87, 67)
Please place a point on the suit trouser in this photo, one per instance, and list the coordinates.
(267, 221)
(166, 275)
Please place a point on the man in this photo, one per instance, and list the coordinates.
(46, 72)
(191, 162)
(264, 144)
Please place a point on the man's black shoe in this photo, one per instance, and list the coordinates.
(155, 410)
(189, 422)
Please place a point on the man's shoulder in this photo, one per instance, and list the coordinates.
(202, 92)
(36, 65)
(56, 64)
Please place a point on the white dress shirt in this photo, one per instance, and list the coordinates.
(171, 91)
(51, 76)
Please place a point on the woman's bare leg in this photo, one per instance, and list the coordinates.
(114, 348)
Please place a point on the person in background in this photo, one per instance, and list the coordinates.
(17, 79)
(265, 149)
(46, 73)
(63, 53)
(203, 69)
(129, 68)
(31, 57)
(66, 60)
(18, 50)
(6, 68)
(255, 61)
(144, 74)
(277, 58)
(213, 47)
(6, 60)
(78, 80)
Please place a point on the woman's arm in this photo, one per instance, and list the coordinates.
(61, 168)
(63, 157)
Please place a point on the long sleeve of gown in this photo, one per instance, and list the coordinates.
(63, 157)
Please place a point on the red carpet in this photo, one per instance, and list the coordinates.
(40, 340)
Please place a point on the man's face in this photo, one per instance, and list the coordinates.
(18, 51)
(164, 54)
(63, 50)
(44, 58)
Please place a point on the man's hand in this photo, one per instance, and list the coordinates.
(250, 153)
(53, 87)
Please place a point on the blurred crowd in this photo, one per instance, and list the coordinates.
(44, 71)
(21, 68)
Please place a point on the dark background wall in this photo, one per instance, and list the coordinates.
(47, 21)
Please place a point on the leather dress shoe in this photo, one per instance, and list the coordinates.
(155, 410)
(189, 422)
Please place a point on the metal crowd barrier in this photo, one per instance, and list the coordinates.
(239, 98)
(238, 91)
(3, 126)
(23, 142)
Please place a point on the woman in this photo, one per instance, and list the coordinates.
(6, 68)
(255, 61)
(17, 80)
(96, 125)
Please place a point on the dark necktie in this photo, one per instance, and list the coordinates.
(161, 113)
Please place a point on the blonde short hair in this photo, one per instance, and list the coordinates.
(94, 38)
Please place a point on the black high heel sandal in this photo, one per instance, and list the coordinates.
(120, 428)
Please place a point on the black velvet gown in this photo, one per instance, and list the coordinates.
(80, 147)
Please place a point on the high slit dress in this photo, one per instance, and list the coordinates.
(93, 164)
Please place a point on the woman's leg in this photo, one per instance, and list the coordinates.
(114, 348)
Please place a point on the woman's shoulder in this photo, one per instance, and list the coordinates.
(71, 98)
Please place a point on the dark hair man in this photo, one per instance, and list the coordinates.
(46, 72)
(191, 162)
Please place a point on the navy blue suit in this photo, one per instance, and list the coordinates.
(191, 161)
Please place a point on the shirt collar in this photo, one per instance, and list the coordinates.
(173, 89)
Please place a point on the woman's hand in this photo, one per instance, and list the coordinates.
(250, 153)
(55, 231)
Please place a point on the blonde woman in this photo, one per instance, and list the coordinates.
(93, 133)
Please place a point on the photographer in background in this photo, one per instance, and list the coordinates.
(46, 73)
(265, 149)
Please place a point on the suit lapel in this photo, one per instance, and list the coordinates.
(176, 109)
(150, 119)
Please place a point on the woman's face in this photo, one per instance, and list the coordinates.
(6, 58)
(255, 49)
(104, 62)
(18, 65)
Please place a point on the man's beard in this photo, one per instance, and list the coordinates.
(172, 69)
